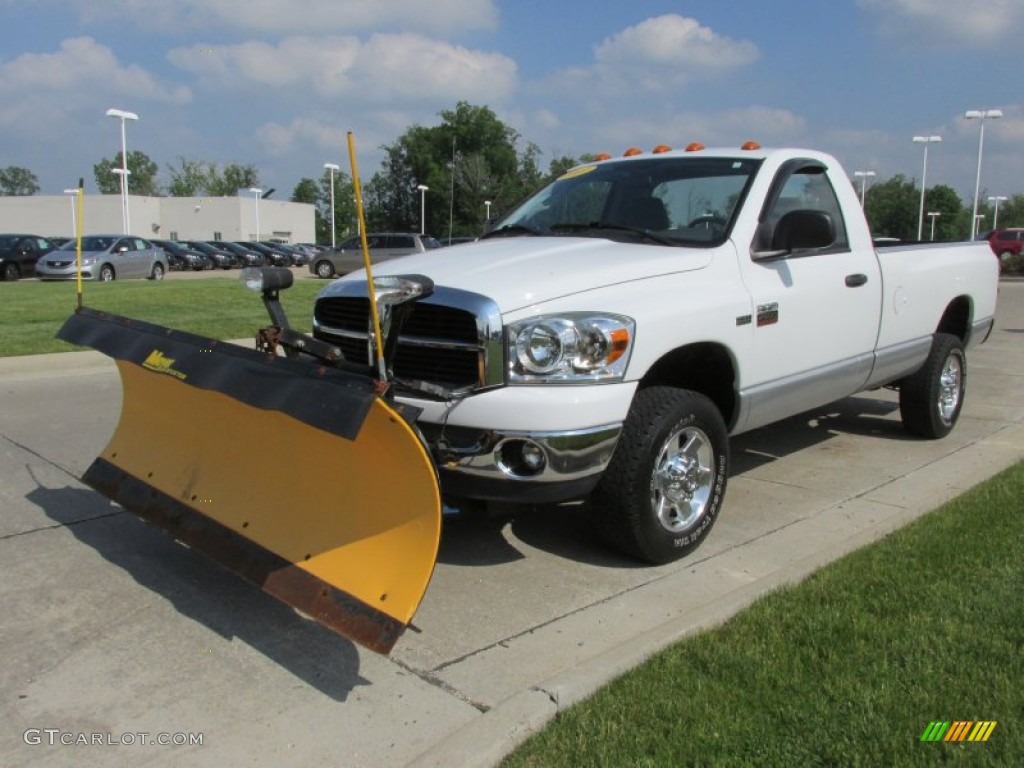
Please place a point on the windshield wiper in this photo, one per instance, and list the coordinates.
(598, 226)
(512, 229)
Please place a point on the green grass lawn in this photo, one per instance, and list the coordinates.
(218, 307)
(845, 669)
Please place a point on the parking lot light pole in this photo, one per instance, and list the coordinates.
(487, 205)
(996, 200)
(863, 176)
(257, 191)
(980, 115)
(123, 116)
(332, 168)
(926, 140)
(74, 199)
(423, 207)
(933, 215)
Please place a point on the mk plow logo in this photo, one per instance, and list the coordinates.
(959, 730)
(160, 363)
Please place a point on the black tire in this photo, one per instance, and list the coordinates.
(324, 269)
(10, 272)
(664, 487)
(107, 273)
(158, 271)
(931, 398)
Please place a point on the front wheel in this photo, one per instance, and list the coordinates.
(106, 273)
(324, 269)
(10, 272)
(931, 398)
(665, 484)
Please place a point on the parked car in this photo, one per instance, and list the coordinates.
(19, 254)
(272, 256)
(221, 257)
(297, 255)
(105, 257)
(246, 256)
(1006, 242)
(348, 256)
(180, 257)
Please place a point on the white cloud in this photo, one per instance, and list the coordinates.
(385, 68)
(977, 23)
(284, 17)
(674, 42)
(83, 64)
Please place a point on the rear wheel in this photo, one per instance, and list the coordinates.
(106, 273)
(931, 398)
(324, 269)
(665, 484)
(10, 272)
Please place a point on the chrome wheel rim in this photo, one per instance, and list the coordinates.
(683, 479)
(950, 384)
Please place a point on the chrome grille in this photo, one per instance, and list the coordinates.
(452, 338)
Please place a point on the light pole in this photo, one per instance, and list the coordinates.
(980, 115)
(423, 207)
(122, 115)
(332, 168)
(997, 199)
(933, 215)
(926, 140)
(487, 205)
(257, 191)
(863, 176)
(74, 223)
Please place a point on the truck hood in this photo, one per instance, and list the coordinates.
(523, 271)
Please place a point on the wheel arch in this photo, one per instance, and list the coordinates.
(956, 319)
(705, 367)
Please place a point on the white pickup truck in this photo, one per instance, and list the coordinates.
(604, 339)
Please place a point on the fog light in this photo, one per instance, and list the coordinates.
(521, 458)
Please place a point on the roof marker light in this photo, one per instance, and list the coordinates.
(661, 148)
(695, 146)
(748, 145)
(632, 151)
(602, 156)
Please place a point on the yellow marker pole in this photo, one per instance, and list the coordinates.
(379, 341)
(78, 239)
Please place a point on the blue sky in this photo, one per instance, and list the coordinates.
(279, 83)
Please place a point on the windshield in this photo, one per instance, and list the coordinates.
(89, 244)
(663, 200)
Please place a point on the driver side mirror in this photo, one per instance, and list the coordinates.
(802, 229)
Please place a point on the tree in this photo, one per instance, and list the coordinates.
(950, 224)
(141, 175)
(891, 208)
(190, 179)
(18, 181)
(234, 177)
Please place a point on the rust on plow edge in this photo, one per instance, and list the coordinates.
(332, 607)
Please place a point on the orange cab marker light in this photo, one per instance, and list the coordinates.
(602, 156)
(632, 151)
(661, 148)
(694, 147)
(750, 145)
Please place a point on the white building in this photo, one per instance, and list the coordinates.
(168, 218)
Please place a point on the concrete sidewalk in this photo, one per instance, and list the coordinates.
(106, 626)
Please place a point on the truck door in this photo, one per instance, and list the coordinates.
(815, 311)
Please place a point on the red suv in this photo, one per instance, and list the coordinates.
(1006, 242)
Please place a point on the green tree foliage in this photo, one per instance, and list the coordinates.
(1011, 212)
(470, 158)
(891, 208)
(951, 223)
(227, 182)
(18, 181)
(189, 179)
(141, 175)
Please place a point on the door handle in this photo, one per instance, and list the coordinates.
(855, 281)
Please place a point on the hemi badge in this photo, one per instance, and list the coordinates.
(767, 314)
(744, 320)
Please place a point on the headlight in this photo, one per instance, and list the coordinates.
(575, 347)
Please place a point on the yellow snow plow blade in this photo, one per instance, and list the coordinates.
(296, 476)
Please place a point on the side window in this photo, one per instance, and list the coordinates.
(124, 243)
(400, 241)
(806, 188)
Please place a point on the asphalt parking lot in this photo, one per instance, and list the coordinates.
(109, 630)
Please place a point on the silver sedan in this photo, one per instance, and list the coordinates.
(104, 257)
